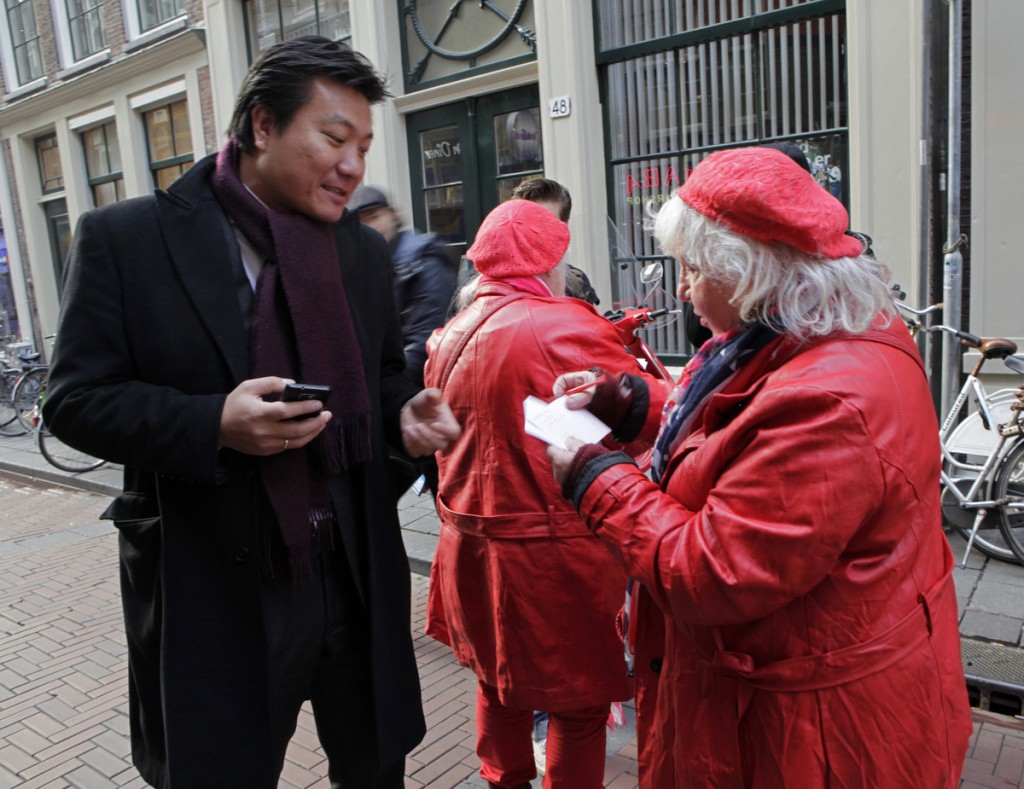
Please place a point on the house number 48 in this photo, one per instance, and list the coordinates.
(559, 107)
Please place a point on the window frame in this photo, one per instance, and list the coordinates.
(36, 147)
(133, 20)
(7, 53)
(65, 39)
(251, 43)
(670, 341)
(155, 166)
(106, 178)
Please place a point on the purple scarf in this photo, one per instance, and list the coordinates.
(302, 330)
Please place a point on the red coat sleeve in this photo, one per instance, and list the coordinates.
(754, 517)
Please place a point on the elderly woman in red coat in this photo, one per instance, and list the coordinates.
(524, 594)
(789, 551)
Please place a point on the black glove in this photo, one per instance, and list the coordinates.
(621, 403)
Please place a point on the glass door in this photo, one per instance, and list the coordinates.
(468, 156)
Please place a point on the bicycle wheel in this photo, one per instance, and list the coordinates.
(64, 457)
(971, 443)
(26, 394)
(9, 424)
(1010, 483)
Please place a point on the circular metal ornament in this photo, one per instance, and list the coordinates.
(432, 43)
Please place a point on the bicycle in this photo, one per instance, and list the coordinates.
(27, 388)
(56, 452)
(9, 424)
(982, 455)
(19, 388)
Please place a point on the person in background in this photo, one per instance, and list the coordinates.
(425, 275)
(518, 588)
(789, 547)
(550, 194)
(261, 558)
(556, 198)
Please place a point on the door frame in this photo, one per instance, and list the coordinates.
(473, 116)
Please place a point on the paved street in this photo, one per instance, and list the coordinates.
(63, 705)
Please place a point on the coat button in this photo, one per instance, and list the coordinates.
(242, 556)
(656, 666)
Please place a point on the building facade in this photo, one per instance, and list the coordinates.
(616, 99)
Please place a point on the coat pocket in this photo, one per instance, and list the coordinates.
(137, 518)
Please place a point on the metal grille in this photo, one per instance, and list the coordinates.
(625, 22)
(668, 110)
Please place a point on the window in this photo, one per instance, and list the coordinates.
(51, 174)
(169, 141)
(153, 13)
(271, 21)
(519, 153)
(86, 27)
(103, 164)
(21, 23)
(683, 79)
(58, 227)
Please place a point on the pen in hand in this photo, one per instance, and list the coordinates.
(583, 387)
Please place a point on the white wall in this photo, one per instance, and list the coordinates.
(997, 170)
(574, 152)
(884, 56)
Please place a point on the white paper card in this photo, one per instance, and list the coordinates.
(553, 422)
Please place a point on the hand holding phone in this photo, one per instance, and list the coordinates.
(294, 393)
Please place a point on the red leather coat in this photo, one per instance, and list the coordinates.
(524, 594)
(801, 578)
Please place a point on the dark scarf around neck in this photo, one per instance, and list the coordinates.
(301, 329)
(717, 361)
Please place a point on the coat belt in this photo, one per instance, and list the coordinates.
(515, 526)
(830, 669)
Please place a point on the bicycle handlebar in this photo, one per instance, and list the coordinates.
(965, 337)
(919, 313)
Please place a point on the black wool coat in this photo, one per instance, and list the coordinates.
(152, 337)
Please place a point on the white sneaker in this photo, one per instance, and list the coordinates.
(540, 754)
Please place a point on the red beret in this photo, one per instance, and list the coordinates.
(518, 239)
(763, 194)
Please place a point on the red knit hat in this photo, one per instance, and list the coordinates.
(763, 194)
(519, 238)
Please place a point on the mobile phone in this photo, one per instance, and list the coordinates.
(294, 393)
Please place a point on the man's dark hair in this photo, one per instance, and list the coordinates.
(542, 190)
(793, 151)
(281, 78)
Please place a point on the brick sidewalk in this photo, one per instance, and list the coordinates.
(63, 693)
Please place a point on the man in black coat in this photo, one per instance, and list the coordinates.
(261, 557)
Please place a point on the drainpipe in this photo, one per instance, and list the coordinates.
(952, 266)
(926, 218)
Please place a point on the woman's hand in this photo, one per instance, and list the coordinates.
(569, 381)
(561, 459)
(428, 424)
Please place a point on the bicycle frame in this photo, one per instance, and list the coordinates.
(980, 476)
(983, 474)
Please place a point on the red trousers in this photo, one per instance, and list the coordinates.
(575, 747)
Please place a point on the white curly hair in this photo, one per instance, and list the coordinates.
(800, 294)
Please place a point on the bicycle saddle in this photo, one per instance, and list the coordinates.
(997, 348)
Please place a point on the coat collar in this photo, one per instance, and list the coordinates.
(202, 245)
(204, 251)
